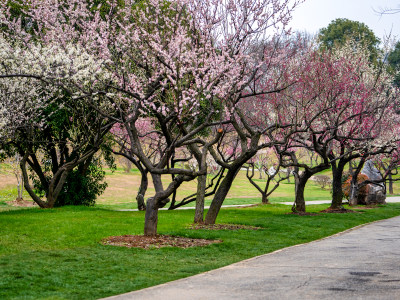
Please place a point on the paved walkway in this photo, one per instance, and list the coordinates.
(188, 207)
(363, 263)
(388, 200)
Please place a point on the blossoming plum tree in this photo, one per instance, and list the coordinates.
(341, 99)
(169, 61)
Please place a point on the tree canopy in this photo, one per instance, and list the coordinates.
(340, 30)
(394, 62)
(188, 80)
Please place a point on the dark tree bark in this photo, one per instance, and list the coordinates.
(151, 218)
(390, 179)
(159, 200)
(201, 190)
(140, 202)
(354, 187)
(201, 181)
(249, 148)
(301, 181)
(288, 175)
(144, 182)
(337, 191)
(152, 206)
(56, 182)
(300, 203)
(264, 198)
(221, 193)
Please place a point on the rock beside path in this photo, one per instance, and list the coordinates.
(374, 193)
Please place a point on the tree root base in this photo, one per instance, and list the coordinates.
(155, 242)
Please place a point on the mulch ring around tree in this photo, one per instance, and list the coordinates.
(223, 227)
(338, 211)
(155, 242)
(22, 203)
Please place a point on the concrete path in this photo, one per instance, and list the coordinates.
(188, 207)
(388, 200)
(363, 263)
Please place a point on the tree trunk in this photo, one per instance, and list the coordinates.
(220, 195)
(151, 217)
(201, 191)
(300, 203)
(50, 200)
(158, 186)
(354, 187)
(28, 187)
(20, 188)
(337, 191)
(390, 184)
(264, 198)
(57, 183)
(140, 202)
(142, 191)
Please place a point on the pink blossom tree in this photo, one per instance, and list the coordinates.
(167, 61)
(340, 99)
(252, 119)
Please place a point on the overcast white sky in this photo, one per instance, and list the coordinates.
(313, 15)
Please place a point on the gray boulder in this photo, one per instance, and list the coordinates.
(375, 193)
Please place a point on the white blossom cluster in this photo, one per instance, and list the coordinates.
(32, 76)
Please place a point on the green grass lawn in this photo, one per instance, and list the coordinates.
(57, 254)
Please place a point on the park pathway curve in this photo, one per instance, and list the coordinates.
(361, 263)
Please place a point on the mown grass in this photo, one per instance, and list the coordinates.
(57, 254)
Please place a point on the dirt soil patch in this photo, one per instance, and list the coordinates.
(223, 227)
(22, 203)
(338, 211)
(159, 241)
